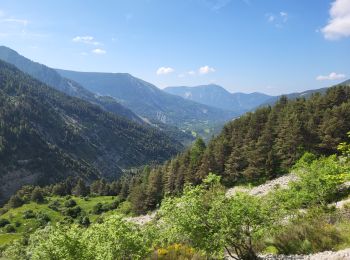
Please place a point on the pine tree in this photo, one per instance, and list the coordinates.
(37, 195)
(80, 189)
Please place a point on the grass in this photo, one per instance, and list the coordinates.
(15, 216)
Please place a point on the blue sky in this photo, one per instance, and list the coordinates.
(271, 46)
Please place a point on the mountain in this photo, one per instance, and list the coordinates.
(149, 101)
(46, 135)
(52, 78)
(216, 96)
(346, 82)
(295, 95)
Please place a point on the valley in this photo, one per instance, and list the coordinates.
(174, 130)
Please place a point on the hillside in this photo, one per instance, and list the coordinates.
(150, 102)
(52, 78)
(258, 146)
(217, 96)
(46, 136)
(295, 95)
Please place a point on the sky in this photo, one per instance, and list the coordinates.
(269, 46)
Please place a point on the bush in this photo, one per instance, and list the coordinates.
(125, 208)
(176, 251)
(37, 195)
(97, 209)
(18, 224)
(54, 205)
(28, 214)
(84, 221)
(72, 212)
(10, 229)
(15, 201)
(70, 203)
(43, 218)
(4, 222)
(307, 234)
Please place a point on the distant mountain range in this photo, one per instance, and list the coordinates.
(217, 96)
(304, 94)
(52, 78)
(150, 102)
(46, 136)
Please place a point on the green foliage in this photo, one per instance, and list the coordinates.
(344, 148)
(70, 203)
(113, 239)
(10, 229)
(246, 222)
(37, 196)
(80, 189)
(204, 218)
(72, 212)
(175, 252)
(318, 185)
(28, 214)
(308, 233)
(15, 201)
(4, 222)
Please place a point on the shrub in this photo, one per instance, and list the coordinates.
(18, 224)
(15, 201)
(43, 218)
(37, 195)
(10, 229)
(54, 205)
(97, 208)
(72, 212)
(176, 251)
(28, 214)
(70, 203)
(84, 221)
(4, 222)
(307, 234)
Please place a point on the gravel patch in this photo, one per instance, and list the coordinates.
(261, 190)
(327, 255)
(142, 220)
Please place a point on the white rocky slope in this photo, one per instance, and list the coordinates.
(263, 189)
(327, 255)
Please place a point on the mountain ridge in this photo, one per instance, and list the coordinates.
(50, 77)
(217, 96)
(149, 101)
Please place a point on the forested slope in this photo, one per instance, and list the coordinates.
(46, 136)
(257, 146)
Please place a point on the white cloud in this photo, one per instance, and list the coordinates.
(17, 21)
(215, 5)
(191, 72)
(99, 51)
(270, 18)
(277, 19)
(339, 23)
(205, 70)
(284, 16)
(164, 70)
(86, 40)
(2, 13)
(331, 76)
